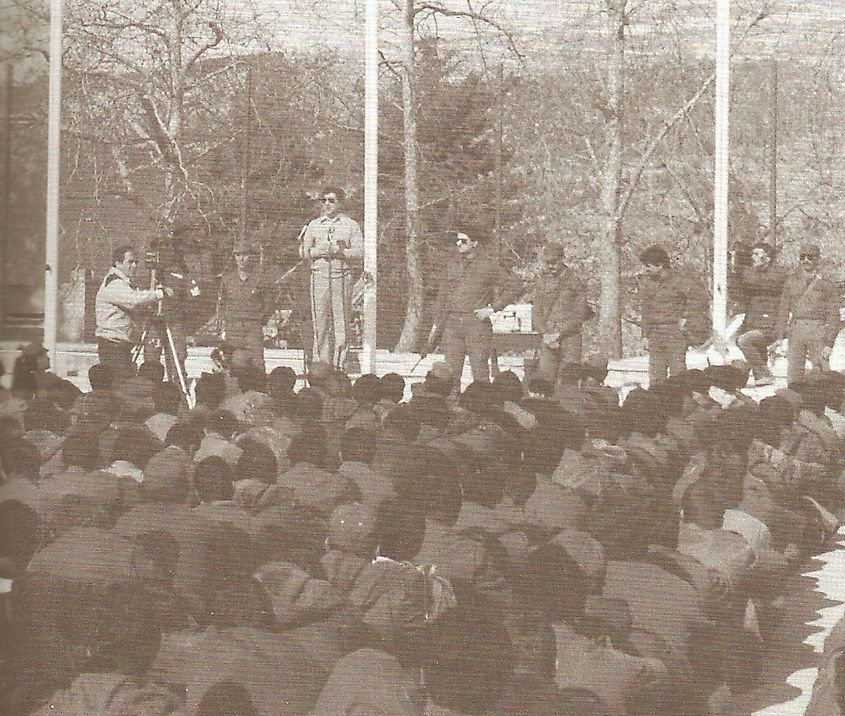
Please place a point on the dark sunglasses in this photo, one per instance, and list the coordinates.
(808, 257)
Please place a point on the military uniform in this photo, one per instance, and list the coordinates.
(760, 290)
(470, 284)
(559, 311)
(244, 311)
(809, 317)
(331, 245)
(674, 316)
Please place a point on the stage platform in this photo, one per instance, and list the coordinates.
(74, 359)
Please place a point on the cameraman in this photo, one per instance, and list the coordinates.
(117, 304)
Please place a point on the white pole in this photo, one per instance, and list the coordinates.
(368, 363)
(720, 193)
(54, 125)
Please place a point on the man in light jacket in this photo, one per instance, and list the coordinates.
(332, 245)
(117, 305)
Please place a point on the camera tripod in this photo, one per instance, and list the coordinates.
(165, 341)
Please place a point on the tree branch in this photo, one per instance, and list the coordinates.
(440, 9)
(207, 45)
(675, 118)
(655, 143)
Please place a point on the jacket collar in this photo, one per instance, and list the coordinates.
(115, 271)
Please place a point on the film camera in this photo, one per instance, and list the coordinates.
(166, 264)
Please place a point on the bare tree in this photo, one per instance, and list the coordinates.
(163, 64)
(414, 14)
(619, 186)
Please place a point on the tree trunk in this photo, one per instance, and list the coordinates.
(610, 324)
(408, 340)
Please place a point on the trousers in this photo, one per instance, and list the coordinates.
(667, 351)
(118, 356)
(552, 361)
(806, 340)
(464, 334)
(754, 345)
(248, 346)
(331, 299)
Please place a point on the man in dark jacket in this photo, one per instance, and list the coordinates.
(464, 305)
(808, 315)
(674, 313)
(245, 308)
(559, 311)
(760, 286)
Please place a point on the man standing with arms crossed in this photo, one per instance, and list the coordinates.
(331, 244)
(117, 306)
(808, 316)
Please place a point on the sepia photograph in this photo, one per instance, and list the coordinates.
(422, 357)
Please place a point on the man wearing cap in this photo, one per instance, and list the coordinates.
(760, 286)
(244, 308)
(117, 305)
(466, 300)
(808, 315)
(558, 315)
(331, 244)
(674, 313)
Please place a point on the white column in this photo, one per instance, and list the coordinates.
(721, 177)
(368, 358)
(54, 130)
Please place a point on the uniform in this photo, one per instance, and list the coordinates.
(331, 283)
(244, 311)
(560, 309)
(470, 284)
(674, 316)
(809, 316)
(761, 290)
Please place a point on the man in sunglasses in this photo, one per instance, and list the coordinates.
(332, 244)
(760, 286)
(808, 316)
(675, 313)
(558, 314)
(466, 300)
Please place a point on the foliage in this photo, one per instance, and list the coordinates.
(130, 128)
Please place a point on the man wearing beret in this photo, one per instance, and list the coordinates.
(808, 315)
(331, 244)
(674, 313)
(245, 308)
(558, 315)
(465, 302)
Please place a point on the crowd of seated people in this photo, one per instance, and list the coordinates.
(341, 549)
